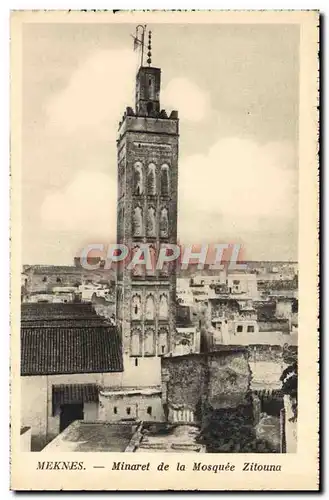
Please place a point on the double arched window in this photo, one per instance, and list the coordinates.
(151, 180)
(136, 307)
(164, 223)
(163, 307)
(162, 342)
(149, 342)
(135, 342)
(151, 227)
(165, 180)
(137, 221)
(149, 308)
(138, 179)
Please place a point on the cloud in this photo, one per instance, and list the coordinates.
(99, 91)
(238, 189)
(84, 117)
(236, 186)
(184, 95)
(238, 192)
(96, 95)
(86, 206)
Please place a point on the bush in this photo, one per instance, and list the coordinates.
(231, 431)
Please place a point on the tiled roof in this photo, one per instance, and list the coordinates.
(76, 315)
(65, 322)
(47, 311)
(74, 393)
(60, 350)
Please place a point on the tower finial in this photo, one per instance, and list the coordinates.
(149, 53)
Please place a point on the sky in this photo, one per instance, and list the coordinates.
(236, 91)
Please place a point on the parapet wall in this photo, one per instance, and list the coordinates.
(149, 125)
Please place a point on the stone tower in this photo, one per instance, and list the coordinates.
(147, 155)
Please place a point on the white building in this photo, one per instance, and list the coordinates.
(88, 290)
(243, 285)
(183, 292)
(207, 280)
(187, 340)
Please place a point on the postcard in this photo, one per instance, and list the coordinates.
(164, 250)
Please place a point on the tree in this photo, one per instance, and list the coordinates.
(289, 379)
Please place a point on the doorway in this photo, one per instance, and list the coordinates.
(70, 413)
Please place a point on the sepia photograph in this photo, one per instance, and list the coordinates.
(158, 212)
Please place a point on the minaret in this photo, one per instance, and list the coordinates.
(147, 214)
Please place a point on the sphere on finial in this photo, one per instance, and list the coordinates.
(149, 60)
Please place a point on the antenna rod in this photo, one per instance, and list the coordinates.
(140, 41)
(142, 55)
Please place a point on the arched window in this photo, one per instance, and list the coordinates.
(149, 347)
(149, 308)
(150, 270)
(162, 342)
(165, 187)
(137, 221)
(164, 223)
(163, 307)
(135, 343)
(151, 229)
(164, 271)
(138, 179)
(137, 269)
(136, 309)
(151, 180)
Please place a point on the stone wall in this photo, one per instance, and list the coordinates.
(214, 391)
(267, 363)
(220, 380)
(45, 278)
(229, 379)
(184, 381)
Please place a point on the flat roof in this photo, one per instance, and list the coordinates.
(166, 438)
(93, 436)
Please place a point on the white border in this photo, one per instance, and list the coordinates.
(4, 151)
